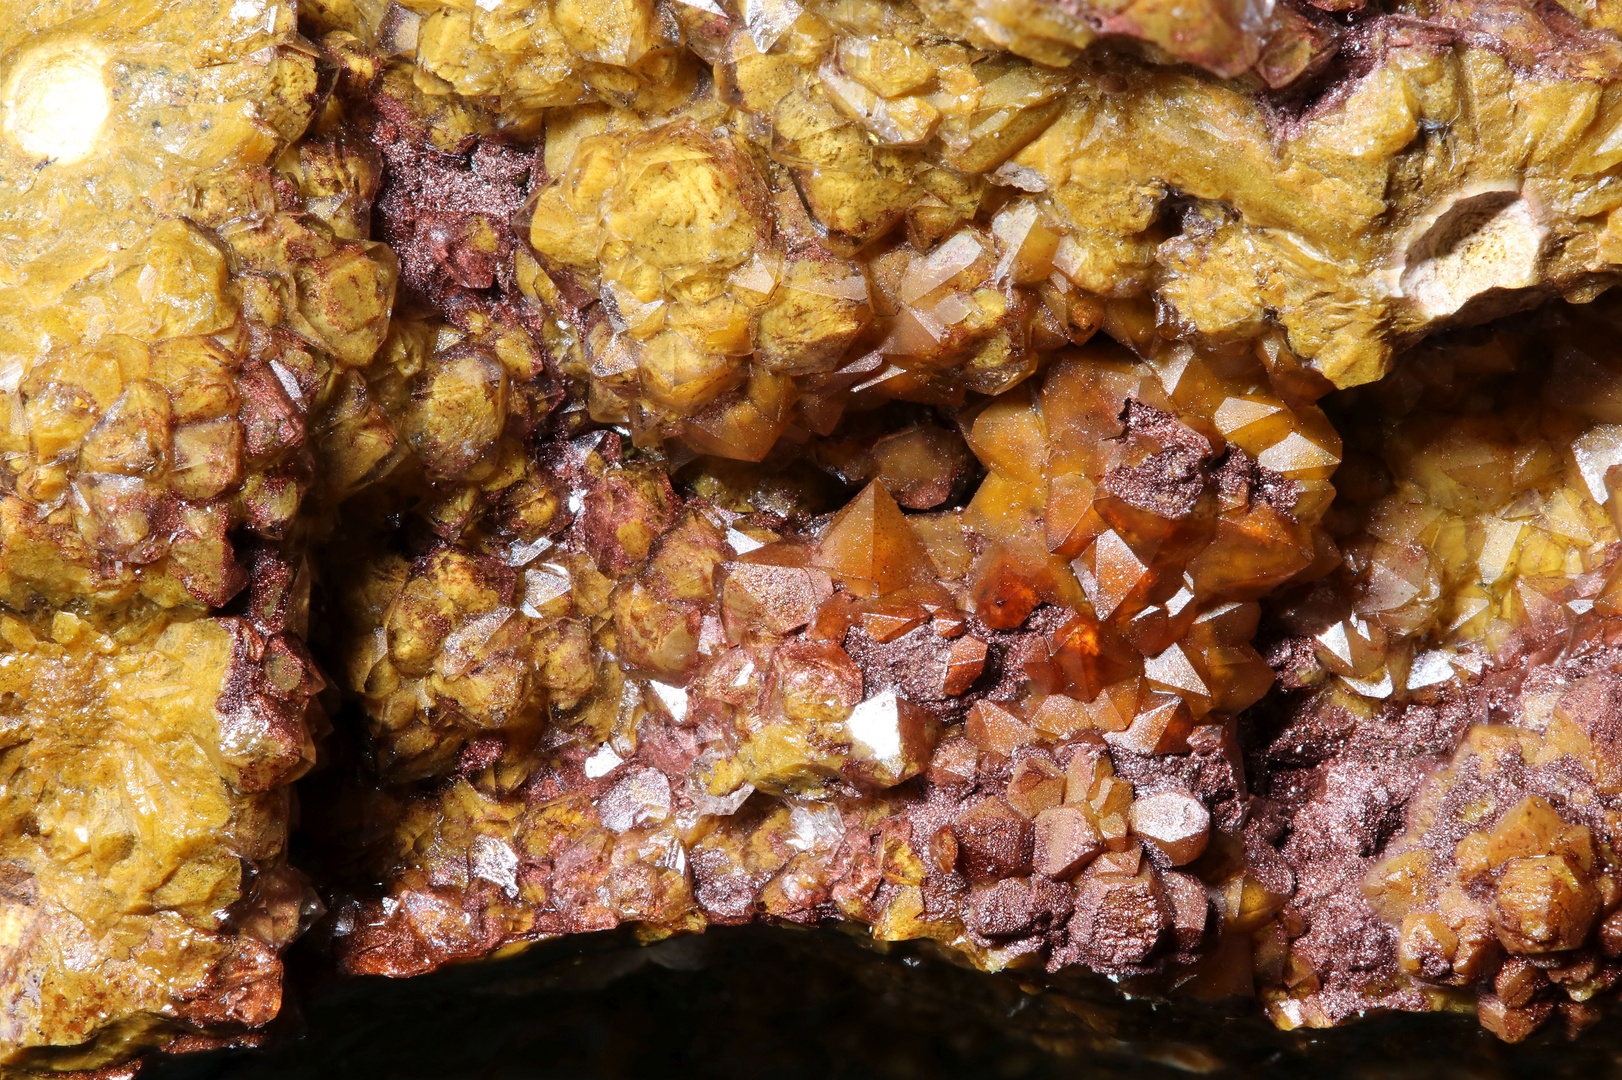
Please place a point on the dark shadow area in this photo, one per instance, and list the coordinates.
(773, 1004)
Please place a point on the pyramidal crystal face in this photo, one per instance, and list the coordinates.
(162, 371)
(866, 463)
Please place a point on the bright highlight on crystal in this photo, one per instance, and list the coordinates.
(55, 101)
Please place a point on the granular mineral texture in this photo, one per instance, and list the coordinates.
(1105, 489)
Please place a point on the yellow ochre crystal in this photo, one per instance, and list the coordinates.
(1101, 487)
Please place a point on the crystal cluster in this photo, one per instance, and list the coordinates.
(1448, 761)
(828, 462)
(690, 656)
(171, 330)
(144, 794)
(1029, 197)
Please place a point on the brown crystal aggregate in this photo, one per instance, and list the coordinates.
(1448, 762)
(827, 463)
(171, 327)
(691, 655)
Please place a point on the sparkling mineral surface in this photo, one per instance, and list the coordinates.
(169, 327)
(1104, 488)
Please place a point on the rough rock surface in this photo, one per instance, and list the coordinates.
(172, 329)
(841, 462)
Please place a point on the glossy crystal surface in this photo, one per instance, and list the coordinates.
(1024, 477)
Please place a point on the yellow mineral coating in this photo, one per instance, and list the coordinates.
(1474, 525)
(1107, 255)
(137, 279)
(1340, 235)
(145, 888)
(168, 324)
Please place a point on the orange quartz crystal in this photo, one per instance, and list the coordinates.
(830, 462)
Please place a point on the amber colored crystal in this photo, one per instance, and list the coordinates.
(808, 462)
(870, 548)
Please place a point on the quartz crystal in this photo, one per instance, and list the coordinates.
(1101, 488)
(172, 331)
(1462, 662)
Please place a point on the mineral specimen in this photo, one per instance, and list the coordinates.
(170, 328)
(1447, 763)
(824, 462)
(650, 706)
(1034, 200)
(144, 794)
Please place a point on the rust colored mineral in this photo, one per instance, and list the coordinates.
(1105, 488)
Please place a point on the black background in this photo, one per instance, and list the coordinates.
(782, 1004)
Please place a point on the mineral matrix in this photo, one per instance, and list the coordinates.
(1101, 489)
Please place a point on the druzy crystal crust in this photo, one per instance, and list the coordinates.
(1101, 488)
